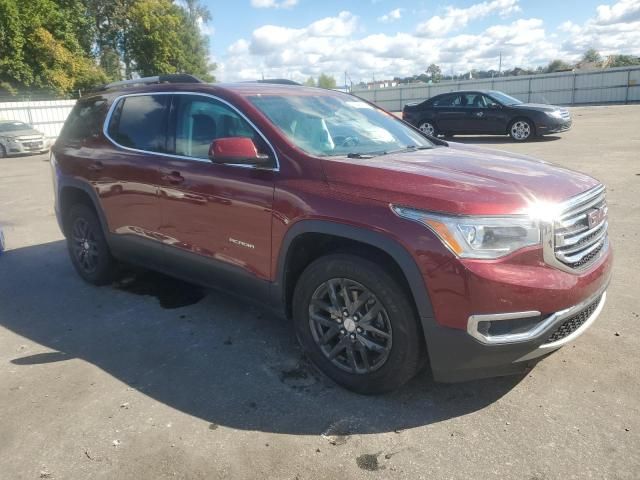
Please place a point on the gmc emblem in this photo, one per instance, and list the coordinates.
(596, 216)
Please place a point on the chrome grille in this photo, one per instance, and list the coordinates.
(565, 114)
(580, 233)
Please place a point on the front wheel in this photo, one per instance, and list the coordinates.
(357, 324)
(521, 130)
(429, 128)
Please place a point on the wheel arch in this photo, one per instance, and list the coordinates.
(308, 240)
(72, 192)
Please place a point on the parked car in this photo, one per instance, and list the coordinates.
(18, 138)
(386, 248)
(486, 112)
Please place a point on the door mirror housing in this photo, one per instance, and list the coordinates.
(236, 150)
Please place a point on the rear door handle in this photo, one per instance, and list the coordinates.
(173, 177)
(96, 166)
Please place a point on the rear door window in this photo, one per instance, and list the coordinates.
(446, 101)
(140, 122)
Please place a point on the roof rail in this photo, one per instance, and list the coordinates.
(171, 78)
(278, 81)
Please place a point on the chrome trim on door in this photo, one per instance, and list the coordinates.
(113, 106)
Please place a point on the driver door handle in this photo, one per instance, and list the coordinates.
(479, 114)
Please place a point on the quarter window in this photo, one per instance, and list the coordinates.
(140, 122)
(85, 120)
(201, 120)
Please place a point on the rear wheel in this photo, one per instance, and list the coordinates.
(356, 324)
(428, 127)
(521, 130)
(88, 247)
(3, 151)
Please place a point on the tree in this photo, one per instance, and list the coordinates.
(623, 61)
(163, 39)
(310, 82)
(326, 81)
(591, 56)
(434, 73)
(46, 44)
(557, 66)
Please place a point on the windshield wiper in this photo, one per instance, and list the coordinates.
(362, 155)
(410, 148)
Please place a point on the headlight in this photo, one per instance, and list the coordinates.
(478, 237)
(12, 141)
(555, 114)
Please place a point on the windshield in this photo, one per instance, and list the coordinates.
(505, 99)
(337, 125)
(13, 126)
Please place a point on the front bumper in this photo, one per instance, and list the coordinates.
(555, 306)
(470, 359)
(27, 147)
(553, 125)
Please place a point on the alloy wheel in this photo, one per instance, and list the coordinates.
(427, 128)
(350, 326)
(520, 130)
(85, 245)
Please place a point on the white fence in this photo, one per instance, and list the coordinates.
(613, 85)
(47, 116)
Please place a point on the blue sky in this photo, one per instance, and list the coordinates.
(385, 38)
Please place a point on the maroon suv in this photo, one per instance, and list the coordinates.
(386, 247)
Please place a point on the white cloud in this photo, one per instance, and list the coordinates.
(622, 12)
(458, 18)
(337, 44)
(392, 16)
(205, 28)
(273, 3)
(614, 30)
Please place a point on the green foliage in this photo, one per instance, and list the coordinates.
(310, 82)
(557, 66)
(623, 61)
(164, 39)
(46, 44)
(592, 56)
(326, 81)
(434, 73)
(66, 45)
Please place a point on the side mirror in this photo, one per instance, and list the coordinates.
(238, 150)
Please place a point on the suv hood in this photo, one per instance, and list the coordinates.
(458, 179)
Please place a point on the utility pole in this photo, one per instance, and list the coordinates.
(500, 65)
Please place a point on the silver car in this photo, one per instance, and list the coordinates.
(17, 138)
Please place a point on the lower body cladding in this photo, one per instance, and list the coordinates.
(513, 341)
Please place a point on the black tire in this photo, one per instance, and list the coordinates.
(404, 356)
(87, 246)
(3, 151)
(526, 132)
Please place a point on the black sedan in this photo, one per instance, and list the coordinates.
(485, 112)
